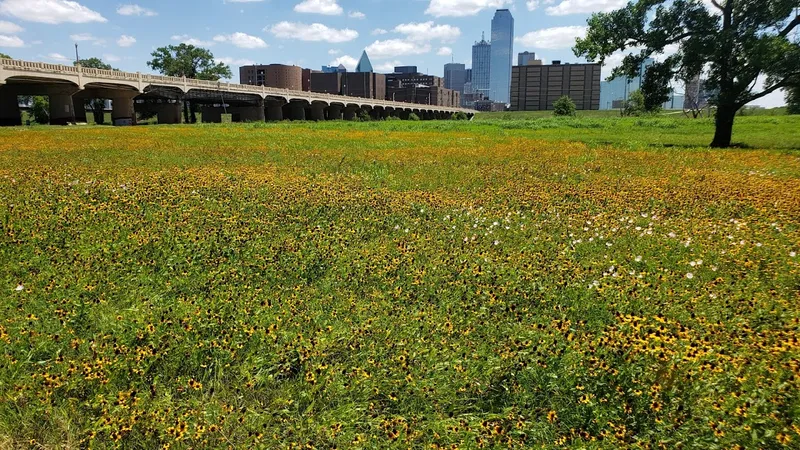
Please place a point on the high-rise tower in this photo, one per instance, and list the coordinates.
(481, 67)
(502, 56)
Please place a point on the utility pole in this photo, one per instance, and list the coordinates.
(77, 58)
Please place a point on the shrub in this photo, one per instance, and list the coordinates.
(392, 118)
(363, 116)
(793, 100)
(564, 106)
(634, 106)
(413, 117)
(459, 116)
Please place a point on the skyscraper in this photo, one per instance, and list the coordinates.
(502, 56)
(363, 64)
(481, 67)
(525, 57)
(455, 75)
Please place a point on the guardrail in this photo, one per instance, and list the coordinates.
(147, 79)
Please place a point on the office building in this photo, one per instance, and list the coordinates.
(537, 87)
(502, 56)
(365, 85)
(334, 69)
(404, 79)
(455, 75)
(526, 58)
(424, 95)
(364, 65)
(405, 69)
(272, 75)
(481, 66)
(615, 92)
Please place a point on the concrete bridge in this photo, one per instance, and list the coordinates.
(70, 86)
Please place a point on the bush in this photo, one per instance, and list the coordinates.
(793, 100)
(40, 110)
(364, 116)
(392, 118)
(564, 106)
(459, 116)
(634, 106)
(413, 117)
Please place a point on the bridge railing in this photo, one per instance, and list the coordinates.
(213, 85)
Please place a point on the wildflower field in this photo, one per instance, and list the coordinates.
(585, 283)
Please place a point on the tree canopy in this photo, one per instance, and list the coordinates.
(732, 43)
(94, 63)
(188, 61)
(4, 56)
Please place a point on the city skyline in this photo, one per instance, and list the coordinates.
(308, 33)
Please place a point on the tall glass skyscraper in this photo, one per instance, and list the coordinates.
(502, 56)
(481, 65)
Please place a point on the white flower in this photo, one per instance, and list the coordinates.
(496, 242)
(19, 287)
(792, 254)
(690, 275)
(692, 263)
(638, 259)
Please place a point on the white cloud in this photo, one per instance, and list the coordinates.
(186, 39)
(241, 40)
(461, 8)
(334, 51)
(58, 57)
(326, 7)
(235, 62)
(50, 11)
(534, 4)
(87, 37)
(356, 15)
(135, 10)
(126, 41)
(396, 47)
(346, 60)
(111, 58)
(388, 66)
(312, 32)
(445, 51)
(10, 28)
(567, 7)
(552, 38)
(11, 41)
(378, 31)
(428, 31)
(242, 1)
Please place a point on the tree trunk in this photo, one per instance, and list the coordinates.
(724, 126)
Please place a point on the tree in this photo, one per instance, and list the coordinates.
(188, 61)
(40, 109)
(741, 41)
(793, 100)
(564, 106)
(96, 105)
(4, 56)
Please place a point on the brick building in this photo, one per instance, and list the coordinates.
(364, 84)
(537, 87)
(272, 75)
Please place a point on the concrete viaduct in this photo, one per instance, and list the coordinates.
(67, 86)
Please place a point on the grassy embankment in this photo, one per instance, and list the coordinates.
(594, 283)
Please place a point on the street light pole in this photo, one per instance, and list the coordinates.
(77, 58)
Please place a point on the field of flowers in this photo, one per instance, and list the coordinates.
(396, 285)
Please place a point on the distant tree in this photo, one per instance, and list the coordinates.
(635, 105)
(413, 117)
(740, 40)
(40, 109)
(4, 56)
(459, 115)
(96, 105)
(188, 61)
(564, 106)
(793, 100)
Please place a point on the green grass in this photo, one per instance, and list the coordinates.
(536, 283)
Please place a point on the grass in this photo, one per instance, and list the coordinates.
(581, 283)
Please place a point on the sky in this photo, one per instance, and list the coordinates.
(308, 33)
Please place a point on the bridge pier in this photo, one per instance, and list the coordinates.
(9, 108)
(334, 112)
(274, 112)
(296, 110)
(385, 114)
(211, 114)
(248, 113)
(79, 102)
(350, 112)
(122, 112)
(374, 114)
(62, 109)
(317, 112)
(404, 114)
(169, 113)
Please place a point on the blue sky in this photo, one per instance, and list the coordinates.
(308, 33)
